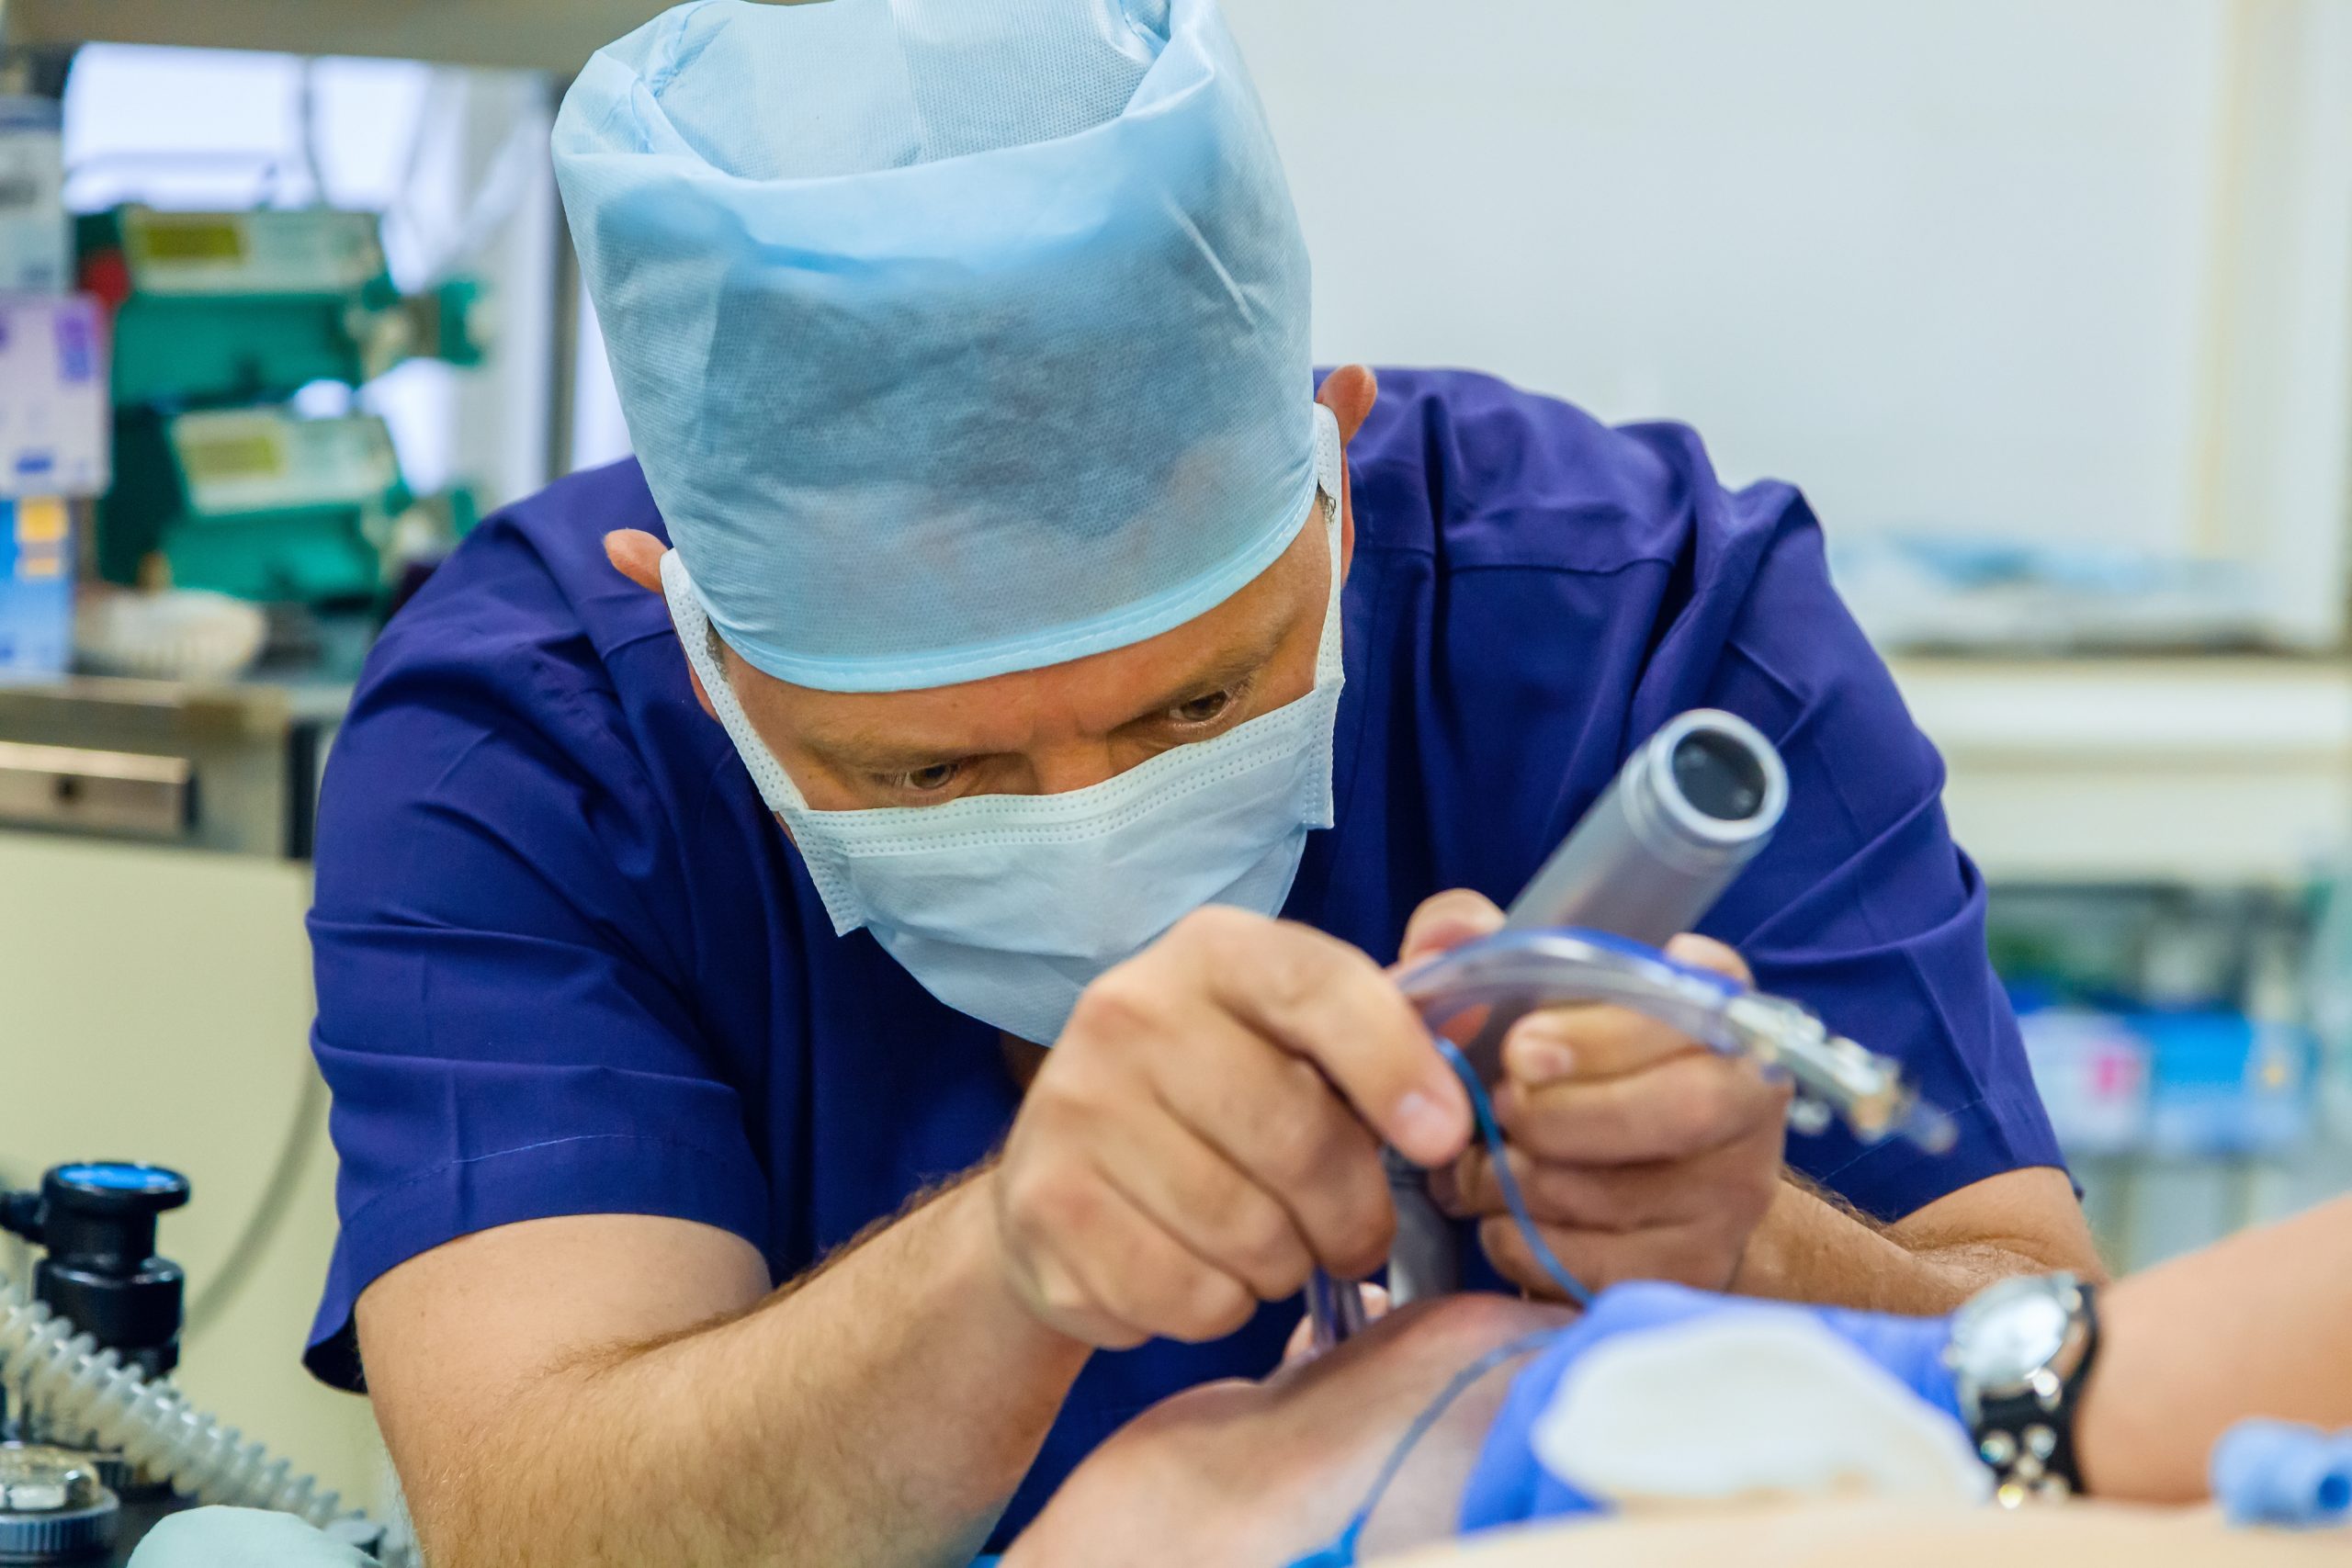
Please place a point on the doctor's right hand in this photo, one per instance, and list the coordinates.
(1207, 1130)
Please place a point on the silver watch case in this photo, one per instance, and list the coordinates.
(2021, 1336)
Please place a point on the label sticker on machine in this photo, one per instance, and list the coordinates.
(35, 587)
(243, 461)
(55, 427)
(301, 251)
(35, 233)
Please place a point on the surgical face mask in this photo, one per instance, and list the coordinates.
(1006, 907)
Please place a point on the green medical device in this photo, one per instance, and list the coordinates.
(259, 502)
(219, 319)
(214, 308)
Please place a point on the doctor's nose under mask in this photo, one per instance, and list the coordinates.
(1005, 906)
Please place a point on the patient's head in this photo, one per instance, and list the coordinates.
(1244, 1473)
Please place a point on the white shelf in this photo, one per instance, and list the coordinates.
(2156, 769)
(540, 35)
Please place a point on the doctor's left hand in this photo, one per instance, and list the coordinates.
(1642, 1154)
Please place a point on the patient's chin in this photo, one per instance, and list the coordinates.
(1172, 1486)
(1239, 1474)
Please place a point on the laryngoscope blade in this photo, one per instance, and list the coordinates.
(1865, 1090)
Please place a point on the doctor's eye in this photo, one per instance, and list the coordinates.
(1204, 709)
(930, 780)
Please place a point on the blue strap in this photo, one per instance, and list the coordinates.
(1483, 1106)
(1491, 1133)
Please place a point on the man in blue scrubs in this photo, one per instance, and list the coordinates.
(709, 1191)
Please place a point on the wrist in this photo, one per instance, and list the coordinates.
(1771, 1263)
(986, 1272)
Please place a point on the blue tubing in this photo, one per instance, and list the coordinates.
(2283, 1474)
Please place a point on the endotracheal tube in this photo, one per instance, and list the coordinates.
(1834, 1075)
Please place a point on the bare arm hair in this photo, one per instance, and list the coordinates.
(624, 1390)
(1815, 1247)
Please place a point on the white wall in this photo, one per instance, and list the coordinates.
(1970, 265)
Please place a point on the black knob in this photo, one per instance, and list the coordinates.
(102, 1208)
(97, 1221)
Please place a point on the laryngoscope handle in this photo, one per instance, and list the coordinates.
(1686, 813)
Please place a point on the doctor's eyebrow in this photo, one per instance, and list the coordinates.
(869, 746)
(1229, 674)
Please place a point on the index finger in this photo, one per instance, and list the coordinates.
(1318, 997)
(1445, 921)
(1592, 1041)
(1587, 1042)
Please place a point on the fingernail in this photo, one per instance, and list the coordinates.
(1426, 1129)
(1547, 1060)
(1444, 1190)
(1541, 1053)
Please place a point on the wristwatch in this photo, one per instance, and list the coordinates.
(2020, 1353)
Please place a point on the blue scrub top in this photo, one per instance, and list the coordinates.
(567, 963)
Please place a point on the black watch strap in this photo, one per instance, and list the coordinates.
(2027, 1434)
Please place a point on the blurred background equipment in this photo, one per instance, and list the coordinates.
(250, 386)
(53, 460)
(220, 319)
(99, 1443)
(35, 254)
(54, 1507)
(2164, 841)
(94, 1221)
(2046, 303)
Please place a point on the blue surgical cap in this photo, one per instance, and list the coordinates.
(955, 337)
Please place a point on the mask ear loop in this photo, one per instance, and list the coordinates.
(1331, 467)
(700, 640)
(1330, 453)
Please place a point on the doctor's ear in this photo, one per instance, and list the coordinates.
(636, 555)
(1349, 392)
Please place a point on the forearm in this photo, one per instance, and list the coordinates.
(878, 1412)
(1812, 1248)
(2259, 1324)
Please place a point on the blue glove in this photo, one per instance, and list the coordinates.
(1508, 1486)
